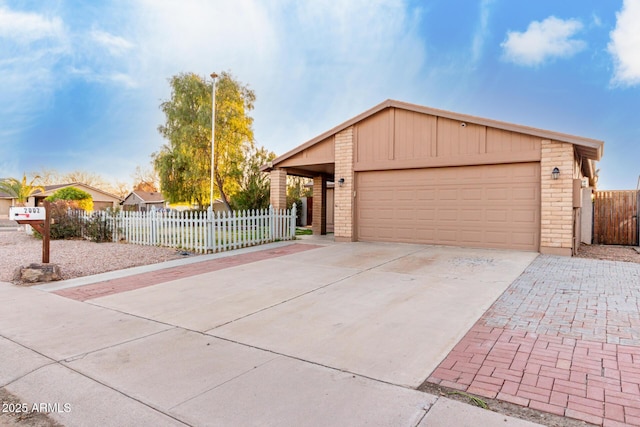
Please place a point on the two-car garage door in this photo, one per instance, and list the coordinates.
(494, 206)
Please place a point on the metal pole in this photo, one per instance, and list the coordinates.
(46, 233)
(214, 76)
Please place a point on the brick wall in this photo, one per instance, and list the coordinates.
(278, 194)
(319, 224)
(556, 212)
(343, 196)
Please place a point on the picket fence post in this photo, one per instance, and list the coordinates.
(292, 225)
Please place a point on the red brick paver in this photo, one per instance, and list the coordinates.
(564, 339)
(114, 286)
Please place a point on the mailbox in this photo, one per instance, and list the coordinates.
(26, 213)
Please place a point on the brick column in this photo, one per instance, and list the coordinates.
(343, 195)
(319, 222)
(278, 195)
(556, 211)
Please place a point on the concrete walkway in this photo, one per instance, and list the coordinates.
(332, 335)
(564, 339)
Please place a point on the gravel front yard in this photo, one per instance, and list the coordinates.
(609, 253)
(76, 258)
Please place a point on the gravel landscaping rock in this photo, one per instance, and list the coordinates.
(610, 253)
(76, 258)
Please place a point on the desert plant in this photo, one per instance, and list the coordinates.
(20, 189)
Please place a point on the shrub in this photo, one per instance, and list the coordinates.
(66, 224)
(99, 228)
(83, 199)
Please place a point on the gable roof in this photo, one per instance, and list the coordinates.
(50, 189)
(148, 196)
(586, 147)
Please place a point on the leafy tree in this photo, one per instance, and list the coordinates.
(183, 164)
(82, 198)
(120, 189)
(254, 184)
(296, 189)
(50, 176)
(21, 190)
(145, 179)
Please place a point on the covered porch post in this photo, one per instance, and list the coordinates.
(319, 224)
(278, 194)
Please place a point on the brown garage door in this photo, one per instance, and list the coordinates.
(495, 206)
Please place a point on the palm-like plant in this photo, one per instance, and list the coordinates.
(20, 190)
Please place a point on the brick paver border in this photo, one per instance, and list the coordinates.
(137, 281)
(574, 369)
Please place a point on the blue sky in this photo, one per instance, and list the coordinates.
(82, 81)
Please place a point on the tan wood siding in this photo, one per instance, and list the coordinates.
(414, 135)
(495, 206)
(320, 153)
(399, 139)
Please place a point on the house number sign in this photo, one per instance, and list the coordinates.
(19, 213)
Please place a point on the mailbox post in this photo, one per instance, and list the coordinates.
(38, 217)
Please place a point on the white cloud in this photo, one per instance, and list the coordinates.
(625, 44)
(312, 64)
(482, 30)
(31, 46)
(302, 58)
(115, 45)
(25, 27)
(551, 38)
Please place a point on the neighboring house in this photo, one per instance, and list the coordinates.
(5, 204)
(408, 173)
(101, 199)
(143, 201)
(146, 200)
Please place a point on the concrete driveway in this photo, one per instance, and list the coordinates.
(337, 334)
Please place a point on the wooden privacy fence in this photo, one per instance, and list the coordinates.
(200, 231)
(615, 217)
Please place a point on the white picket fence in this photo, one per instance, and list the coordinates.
(201, 232)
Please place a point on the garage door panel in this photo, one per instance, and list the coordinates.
(471, 194)
(485, 206)
(472, 236)
(496, 216)
(470, 216)
(447, 235)
(497, 194)
(523, 239)
(526, 194)
(499, 238)
(527, 217)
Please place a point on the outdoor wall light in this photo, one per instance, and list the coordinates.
(555, 174)
(341, 182)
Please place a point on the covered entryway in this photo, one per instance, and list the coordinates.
(494, 206)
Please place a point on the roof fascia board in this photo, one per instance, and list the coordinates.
(389, 103)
